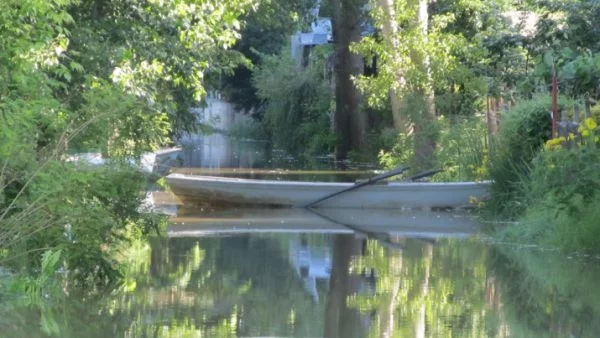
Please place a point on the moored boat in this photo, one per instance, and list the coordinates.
(382, 195)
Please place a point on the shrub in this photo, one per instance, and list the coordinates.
(86, 212)
(562, 195)
(563, 203)
(523, 131)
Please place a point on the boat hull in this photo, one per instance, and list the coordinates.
(392, 195)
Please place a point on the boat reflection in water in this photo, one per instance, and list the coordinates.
(367, 222)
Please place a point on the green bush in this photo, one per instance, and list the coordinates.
(86, 212)
(562, 194)
(562, 197)
(523, 131)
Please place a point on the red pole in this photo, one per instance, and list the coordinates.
(554, 103)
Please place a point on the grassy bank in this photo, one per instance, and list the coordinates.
(550, 186)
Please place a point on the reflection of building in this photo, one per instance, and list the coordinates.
(310, 263)
(219, 151)
(315, 263)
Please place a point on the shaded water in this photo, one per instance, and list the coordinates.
(329, 285)
(291, 273)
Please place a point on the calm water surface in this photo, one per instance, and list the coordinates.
(247, 273)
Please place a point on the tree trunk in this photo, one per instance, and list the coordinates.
(390, 37)
(349, 121)
(425, 131)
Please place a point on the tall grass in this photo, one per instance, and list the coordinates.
(85, 212)
(562, 199)
(461, 151)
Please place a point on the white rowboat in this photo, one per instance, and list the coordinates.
(383, 195)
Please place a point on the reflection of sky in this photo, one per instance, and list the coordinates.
(310, 263)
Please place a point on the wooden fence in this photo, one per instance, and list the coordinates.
(570, 124)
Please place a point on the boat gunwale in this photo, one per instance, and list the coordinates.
(260, 182)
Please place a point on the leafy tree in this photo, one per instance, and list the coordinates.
(81, 75)
(159, 52)
(267, 30)
(298, 101)
(440, 58)
(567, 40)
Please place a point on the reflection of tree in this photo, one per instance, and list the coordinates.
(425, 290)
(386, 313)
(213, 287)
(246, 286)
(427, 257)
(244, 281)
(342, 321)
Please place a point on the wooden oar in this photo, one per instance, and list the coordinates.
(371, 180)
(424, 174)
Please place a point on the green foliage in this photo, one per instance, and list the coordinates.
(113, 76)
(45, 282)
(85, 212)
(523, 131)
(401, 151)
(298, 103)
(117, 123)
(159, 52)
(562, 198)
(470, 47)
(266, 31)
(248, 129)
(567, 39)
(462, 150)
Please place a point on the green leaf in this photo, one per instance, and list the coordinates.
(77, 67)
(549, 58)
(50, 261)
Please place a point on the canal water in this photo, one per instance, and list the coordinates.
(259, 273)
